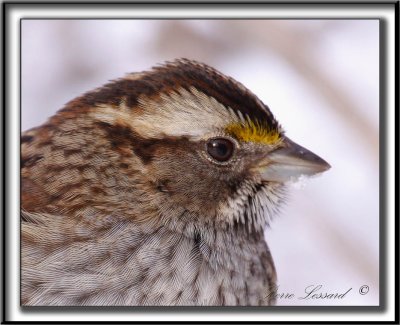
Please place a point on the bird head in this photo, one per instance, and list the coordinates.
(189, 142)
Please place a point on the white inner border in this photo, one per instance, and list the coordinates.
(260, 11)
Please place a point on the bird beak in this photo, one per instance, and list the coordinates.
(291, 161)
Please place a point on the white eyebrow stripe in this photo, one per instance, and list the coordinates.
(183, 113)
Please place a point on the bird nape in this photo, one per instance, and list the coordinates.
(155, 189)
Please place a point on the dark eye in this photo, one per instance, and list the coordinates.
(220, 149)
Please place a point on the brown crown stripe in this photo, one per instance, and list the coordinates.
(182, 74)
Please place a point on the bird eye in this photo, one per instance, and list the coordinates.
(220, 149)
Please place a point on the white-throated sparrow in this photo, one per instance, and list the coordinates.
(155, 189)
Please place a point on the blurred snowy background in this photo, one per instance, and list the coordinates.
(319, 77)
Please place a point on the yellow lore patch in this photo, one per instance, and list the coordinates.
(253, 132)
